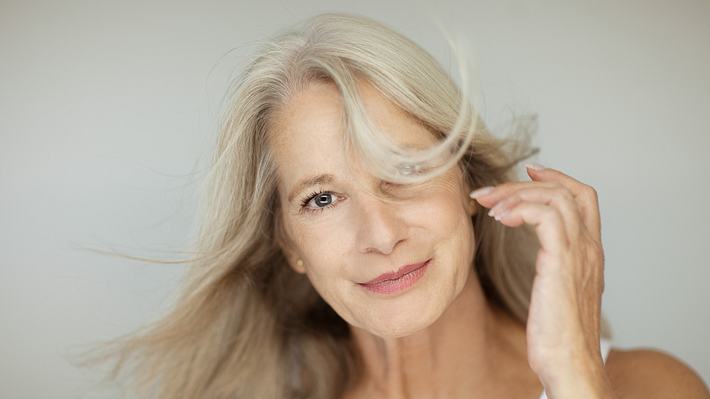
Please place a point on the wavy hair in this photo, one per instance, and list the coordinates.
(245, 324)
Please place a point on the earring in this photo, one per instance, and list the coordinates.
(299, 263)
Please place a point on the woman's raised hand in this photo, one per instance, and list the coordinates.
(563, 327)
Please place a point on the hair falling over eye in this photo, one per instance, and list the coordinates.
(229, 334)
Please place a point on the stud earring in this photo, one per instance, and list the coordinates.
(299, 263)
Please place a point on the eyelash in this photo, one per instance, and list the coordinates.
(304, 202)
(308, 198)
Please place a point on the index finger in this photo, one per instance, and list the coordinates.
(585, 195)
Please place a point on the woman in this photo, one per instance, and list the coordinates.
(341, 255)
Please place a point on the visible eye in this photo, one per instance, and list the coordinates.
(318, 201)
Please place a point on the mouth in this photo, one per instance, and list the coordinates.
(399, 273)
(400, 280)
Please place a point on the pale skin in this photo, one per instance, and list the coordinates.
(442, 338)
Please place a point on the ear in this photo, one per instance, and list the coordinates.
(292, 258)
(297, 266)
(472, 207)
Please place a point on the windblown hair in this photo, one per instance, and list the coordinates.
(246, 325)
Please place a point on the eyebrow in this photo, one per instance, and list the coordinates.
(310, 181)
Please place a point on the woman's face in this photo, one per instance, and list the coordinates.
(345, 235)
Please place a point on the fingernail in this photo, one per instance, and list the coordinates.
(480, 192)
(534, 166)
(497, 208)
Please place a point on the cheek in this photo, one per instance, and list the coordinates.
(444, 210)
(323, 245)
(452, 231)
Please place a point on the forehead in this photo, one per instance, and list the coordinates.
(307, 133)
(316, 113)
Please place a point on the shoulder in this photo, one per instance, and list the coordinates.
(650, 373)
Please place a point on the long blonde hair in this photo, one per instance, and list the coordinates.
(246, 325)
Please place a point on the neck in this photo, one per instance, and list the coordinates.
(472, 348)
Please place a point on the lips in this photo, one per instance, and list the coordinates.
(398, 274)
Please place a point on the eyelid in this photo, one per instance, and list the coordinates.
(303, 203)
(305, 200)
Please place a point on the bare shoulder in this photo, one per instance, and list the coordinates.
(651, 373)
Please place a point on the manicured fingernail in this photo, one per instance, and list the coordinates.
(481, 192)
(534, 166)
(502, 215)
(497, 208)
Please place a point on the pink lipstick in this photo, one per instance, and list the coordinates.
(405, 277)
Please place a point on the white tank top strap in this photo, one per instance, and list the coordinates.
(604, 346)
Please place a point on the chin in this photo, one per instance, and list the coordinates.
(402, 324)
(396, 331)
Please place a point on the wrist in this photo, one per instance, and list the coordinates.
(581, 380)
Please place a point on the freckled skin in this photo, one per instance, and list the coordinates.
(438, 339)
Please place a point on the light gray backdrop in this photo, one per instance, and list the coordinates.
(108, 111)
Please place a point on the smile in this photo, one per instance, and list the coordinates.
(397, 284)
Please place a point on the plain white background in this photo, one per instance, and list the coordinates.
(108, 111)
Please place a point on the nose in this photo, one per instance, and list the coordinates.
(380, 227)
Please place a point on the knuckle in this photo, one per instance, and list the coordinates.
(591, 192)
(596, 252)
(556, 185)
(564, 192)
